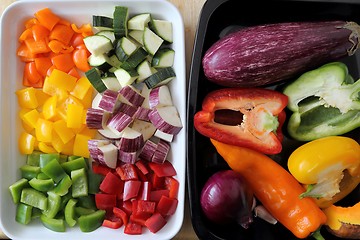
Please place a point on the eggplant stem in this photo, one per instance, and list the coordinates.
(355, 33)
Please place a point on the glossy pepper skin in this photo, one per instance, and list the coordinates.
(275, 188)
(324, 102)
(323, 164)
(248, 117)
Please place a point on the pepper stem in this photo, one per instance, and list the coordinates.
(309, 193)
(317, 235)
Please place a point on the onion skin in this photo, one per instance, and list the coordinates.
(267, 54)
(226, 197)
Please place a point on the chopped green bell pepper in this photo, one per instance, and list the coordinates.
(34, 198)
(57, 225)
(91, 222)
(75, 164)
(54, 202)
(62, 188)
(29, 172)
(324, 102)
(54, 170)
(45, 158)
(23, 213)
(83, 211)
(70, 212)
(33, 159)
(42, 185)
(16, 188)
(79, 183)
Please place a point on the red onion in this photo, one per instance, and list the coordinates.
(226, 197)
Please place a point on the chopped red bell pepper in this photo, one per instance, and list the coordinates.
(167, 206)
(173, 185)
(112, 184)
(155, 222)
(155, 195)
(127, 171)
(165, 169)
(100, 168)
(247, 117)
(133, 228)
(112, 224)
(121, 214)
(144, 192)
(131, 189)
(105, 201)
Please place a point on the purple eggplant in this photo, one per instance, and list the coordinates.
(267, 54)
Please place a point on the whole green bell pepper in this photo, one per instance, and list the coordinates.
(324, 102)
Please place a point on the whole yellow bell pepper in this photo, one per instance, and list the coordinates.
(329, 167)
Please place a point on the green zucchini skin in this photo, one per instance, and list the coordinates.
(267, 54)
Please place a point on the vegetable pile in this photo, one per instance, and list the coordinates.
(317, 104)
(98, 120)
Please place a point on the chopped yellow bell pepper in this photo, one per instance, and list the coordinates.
(62, 80)
(68, 147)
(81, 145)
(30, 118)
(41, 96)
(51, 89)
(64, 133)
(43, 130)
(88, 98)
(49, 107)
(56, 142)
(81, 88)
(27, 98)
(74, 116)
(26, 143)
(45, 148)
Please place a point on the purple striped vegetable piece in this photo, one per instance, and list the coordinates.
(267, 54)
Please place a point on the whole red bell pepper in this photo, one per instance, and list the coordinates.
(246, 117)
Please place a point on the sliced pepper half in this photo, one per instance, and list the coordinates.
(329, 167)
(247, 117)
(324, 102)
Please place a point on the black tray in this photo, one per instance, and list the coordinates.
(217, 18)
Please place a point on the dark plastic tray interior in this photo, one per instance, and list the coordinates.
(217, 18)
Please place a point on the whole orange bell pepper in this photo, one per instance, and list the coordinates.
(275, 188)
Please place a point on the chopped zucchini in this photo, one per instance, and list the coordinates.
(137, 35)
(121, 17)
(94, 76)
(139, 22)
(134, 59)
(163, 58)
(126, 77)
(161, 77)
(107, 33)
(144, 70)
(124, 48)
(163, 29)
(102, 23)
(98, 44)
(152, 42)
(100, 61)
(112, 83)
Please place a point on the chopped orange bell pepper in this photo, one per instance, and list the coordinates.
(47, 18)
